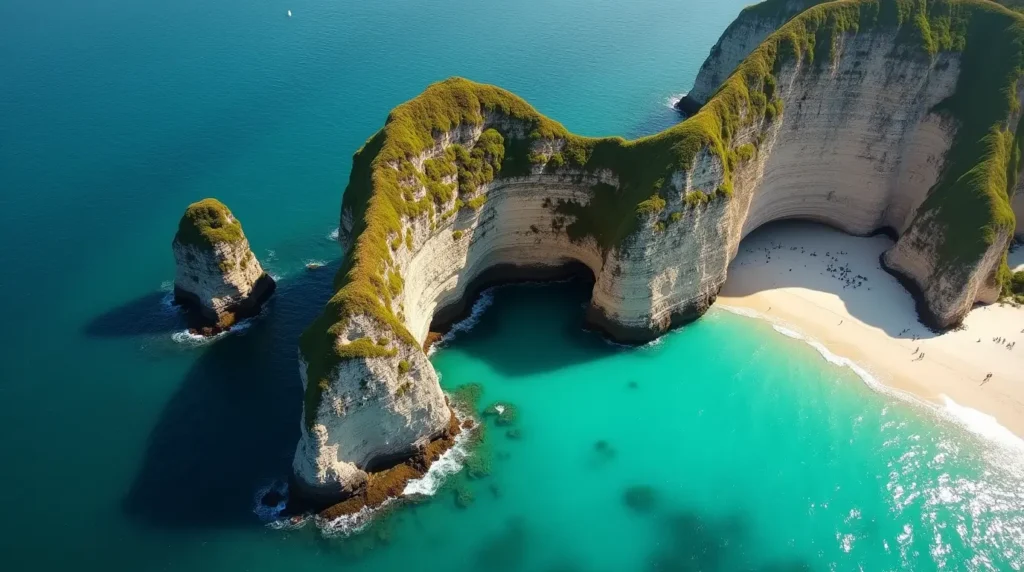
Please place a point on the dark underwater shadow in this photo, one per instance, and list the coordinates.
(685, 540)
(232, 426)
(555, 315)
(147, 314)
(858, 299)
(691, 541)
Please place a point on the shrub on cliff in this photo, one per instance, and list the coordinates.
(206, 223)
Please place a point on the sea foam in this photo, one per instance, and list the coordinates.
(187, 338)
(479, 307)
(270, 513)
(449, 463)
(981, 424)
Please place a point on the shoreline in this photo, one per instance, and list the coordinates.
(831, 289)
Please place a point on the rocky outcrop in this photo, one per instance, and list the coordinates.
(375, 411)
(837, 118)
(217, 276)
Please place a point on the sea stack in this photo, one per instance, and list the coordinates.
(217, 276)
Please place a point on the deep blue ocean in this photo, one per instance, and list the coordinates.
(126, 447)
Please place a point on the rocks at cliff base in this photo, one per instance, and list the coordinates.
(687, 105)
(217, 277)
(377, 487)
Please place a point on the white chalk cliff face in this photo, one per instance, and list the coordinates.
(374, 413)
(744, 34)
(222, 280)
(856, 146)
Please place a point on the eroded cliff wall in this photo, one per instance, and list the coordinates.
(216, 273)
(837, 118)
(746, 32)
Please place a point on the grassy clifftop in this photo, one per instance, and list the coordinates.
(386, 188)
(206, 223)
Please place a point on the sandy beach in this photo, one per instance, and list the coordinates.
(830, 287)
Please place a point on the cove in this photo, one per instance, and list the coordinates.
(127, 450)
(725, 446)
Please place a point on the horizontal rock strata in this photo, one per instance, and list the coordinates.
(216, 274)
(744, 34)
(849, 115)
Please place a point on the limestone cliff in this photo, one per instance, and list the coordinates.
(747, 31)
(863, 114)
(216, 276)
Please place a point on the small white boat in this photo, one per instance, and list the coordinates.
(289, 13)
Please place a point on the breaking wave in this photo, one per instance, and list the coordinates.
(448, 464)
(350, 523)
(266, 513)
(479, 307)
(976, 422)
(334, 234)
(187, 338)
(982, 424)
(672, 100)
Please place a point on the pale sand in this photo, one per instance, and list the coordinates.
(875, 324)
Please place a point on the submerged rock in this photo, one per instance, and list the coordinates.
(463, 497)
(217, 276)
(640, 498)
(504, 413)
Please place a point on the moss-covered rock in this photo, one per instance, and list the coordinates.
(504, 413)
(208, 222)
(217, 276)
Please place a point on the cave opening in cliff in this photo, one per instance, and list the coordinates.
(504, 274)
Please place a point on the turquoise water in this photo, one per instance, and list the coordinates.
(124, 449)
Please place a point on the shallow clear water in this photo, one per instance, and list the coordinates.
(125, 449)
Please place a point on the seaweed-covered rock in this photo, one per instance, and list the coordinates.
(504, 413)
(463, 497)
(640, 498)
(217, 277)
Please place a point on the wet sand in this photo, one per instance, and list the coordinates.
(830, 287)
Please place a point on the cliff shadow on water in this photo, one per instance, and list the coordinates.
(148, 314)
(554, 303)
(231, 427)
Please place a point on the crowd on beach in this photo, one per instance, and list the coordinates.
(835, 267)
(839, 269)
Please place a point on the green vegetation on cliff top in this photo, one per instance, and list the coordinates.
(970, 204)
(206, 223)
